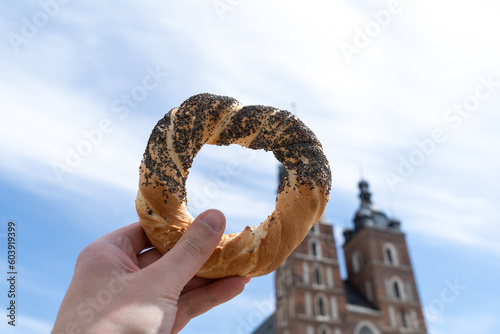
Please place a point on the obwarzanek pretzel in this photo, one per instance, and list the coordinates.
(218, 120)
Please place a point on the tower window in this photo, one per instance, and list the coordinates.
(390, 254)
(396, 290)
(317, 276)
(315, 249)
(321, 306)
(357, 262)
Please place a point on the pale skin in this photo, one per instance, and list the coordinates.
(117, 289)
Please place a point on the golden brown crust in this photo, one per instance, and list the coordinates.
(209, 119)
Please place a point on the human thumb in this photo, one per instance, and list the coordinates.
(193, 249)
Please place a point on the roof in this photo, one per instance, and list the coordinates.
(267, 327)
(355, 297)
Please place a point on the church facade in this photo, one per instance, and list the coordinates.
(379, 295)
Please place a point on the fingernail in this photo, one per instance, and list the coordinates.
(247, 280)
(214, 219)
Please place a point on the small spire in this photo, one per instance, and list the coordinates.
(364, 194)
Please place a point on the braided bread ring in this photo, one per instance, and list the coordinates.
(209, 119)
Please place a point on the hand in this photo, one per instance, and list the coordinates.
(117, 289)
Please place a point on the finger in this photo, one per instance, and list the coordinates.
(148, 257)
(192, 250)
(203, 299)
(195, 283)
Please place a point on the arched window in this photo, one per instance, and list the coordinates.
(390, 254)
(366, 327)
(365, 330)
(357, 262)
(395, 288)
(321, 306)
(317, 276)
(315, 248)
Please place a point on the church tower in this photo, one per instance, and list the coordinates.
(378, 296)
(378, 265)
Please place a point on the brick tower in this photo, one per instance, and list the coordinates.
(379, 267)
(379, 295)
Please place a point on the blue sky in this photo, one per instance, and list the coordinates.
(409, 91)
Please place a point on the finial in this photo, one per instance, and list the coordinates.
(365, 194)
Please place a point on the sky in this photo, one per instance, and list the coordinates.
(402, 93)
